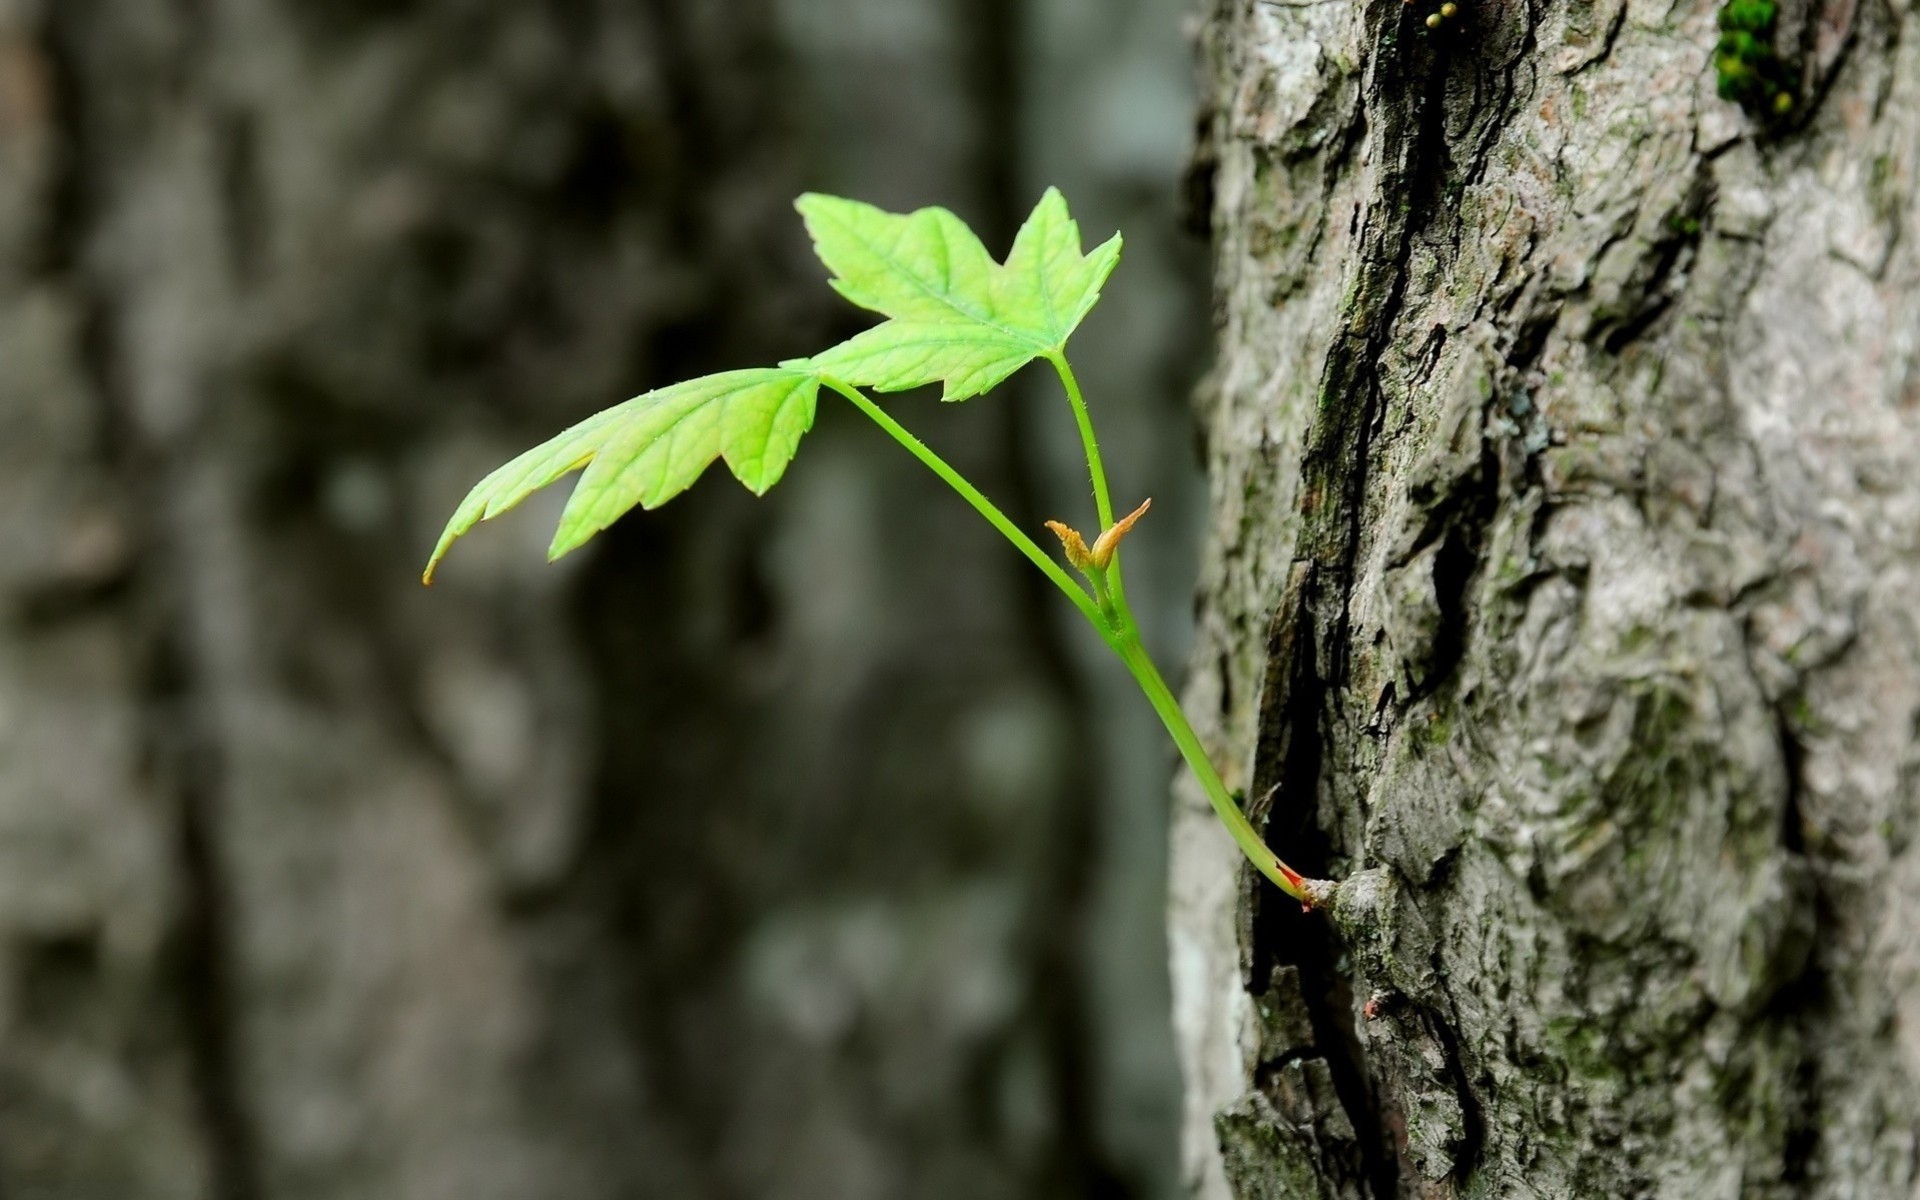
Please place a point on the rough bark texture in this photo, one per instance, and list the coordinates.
(1560, 599)
(740, 857)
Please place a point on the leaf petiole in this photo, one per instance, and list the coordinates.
(1096, 469)
(1107, 611)
(1126, 643)
(972, 495)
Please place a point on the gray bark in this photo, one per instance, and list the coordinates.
(1561, 600)
(738, 856)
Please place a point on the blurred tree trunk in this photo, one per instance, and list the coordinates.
(1561, 599)
(737, 858)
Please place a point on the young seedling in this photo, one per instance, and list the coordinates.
(954, 317)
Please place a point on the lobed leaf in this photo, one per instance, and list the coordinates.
(925, 264)
(1047, 279)
(957, 316)
(968, 359)
(650, 449)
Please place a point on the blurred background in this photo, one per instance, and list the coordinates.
(791, 848)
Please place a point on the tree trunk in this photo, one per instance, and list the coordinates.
(1561, 601)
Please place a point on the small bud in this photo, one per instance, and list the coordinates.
(1299, 883)
(1074, 545)
(1449, 10)
(1433, 20)
(1108, 542)
(1783, 103)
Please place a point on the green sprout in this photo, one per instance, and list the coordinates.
(954, 317)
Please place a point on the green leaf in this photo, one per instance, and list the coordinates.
(958, 317)
(1048, 277)
(969, 359)
(650, 449)
(924, 264)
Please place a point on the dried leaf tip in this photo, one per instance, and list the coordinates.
(1075, 546)
(1108, 542)
(1100, 557)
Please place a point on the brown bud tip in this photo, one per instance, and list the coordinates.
(1073, 544)
(1108, 542)
(1433, 20)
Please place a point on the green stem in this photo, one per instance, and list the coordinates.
(1108, 614)
(1102, 498)
(985, 507)
(1096, 469)
(1125, 641)
(1134, 655)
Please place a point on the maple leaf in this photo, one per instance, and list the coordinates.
(957, 317)
(650, 449)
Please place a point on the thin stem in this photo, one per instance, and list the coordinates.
(1174, 718)
(1096, 471)
(985, 507)
(1126, 643)
(1108, 614)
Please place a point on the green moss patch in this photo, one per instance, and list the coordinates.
(1750, 71)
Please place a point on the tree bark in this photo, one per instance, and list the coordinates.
(1560, 599)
